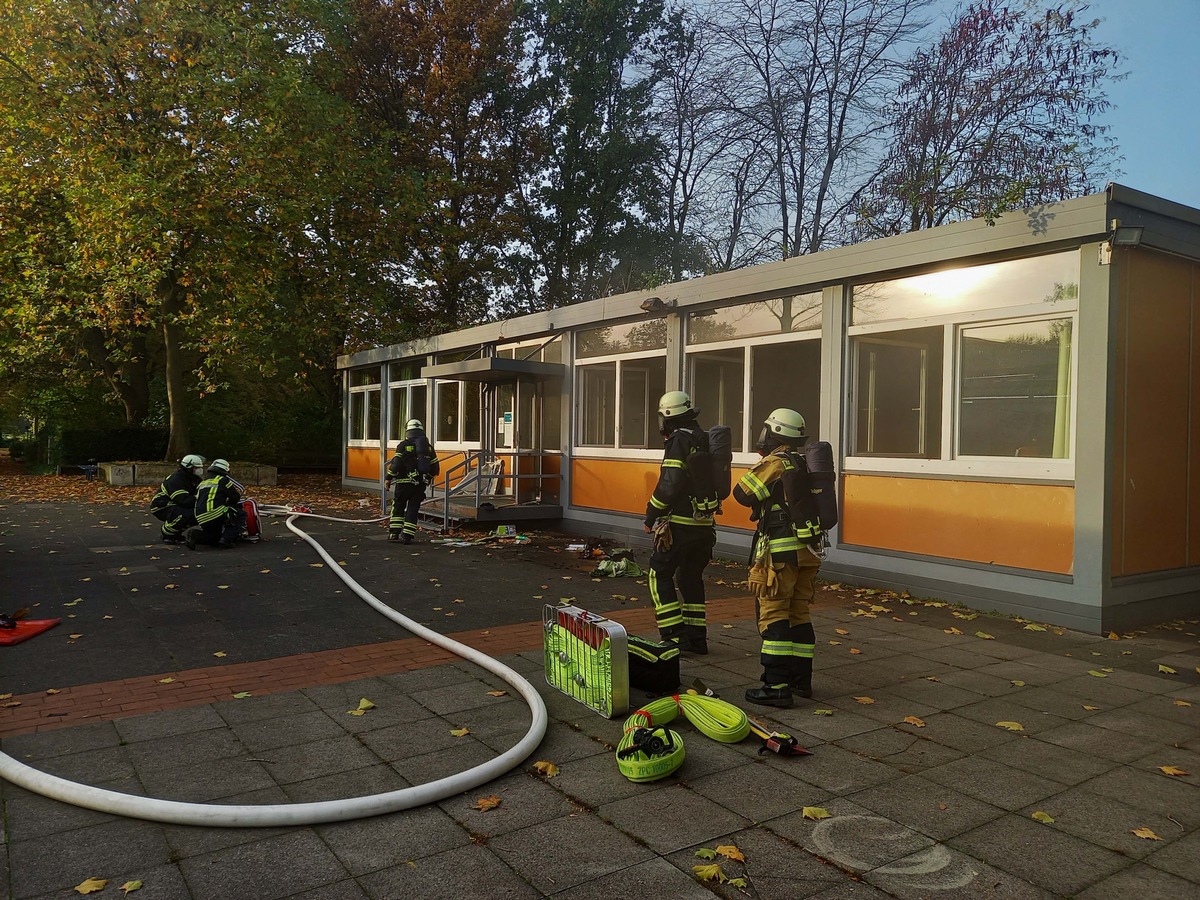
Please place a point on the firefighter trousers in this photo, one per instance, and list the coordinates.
(680, 612)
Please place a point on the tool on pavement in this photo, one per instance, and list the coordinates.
(776, 741)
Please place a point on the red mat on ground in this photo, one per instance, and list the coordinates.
(26, 628)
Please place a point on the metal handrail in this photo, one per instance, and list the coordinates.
(476, 477)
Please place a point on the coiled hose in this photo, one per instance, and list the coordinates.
(712, 716)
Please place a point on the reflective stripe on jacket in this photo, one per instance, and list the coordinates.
(215, 497)
(673, 497)
(761, 489)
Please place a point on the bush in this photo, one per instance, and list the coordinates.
(111, 445)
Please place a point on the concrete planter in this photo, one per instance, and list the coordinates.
(152, 474)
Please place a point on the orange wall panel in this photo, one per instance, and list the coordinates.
(1023, 526)
(362, 462)
(1155, 379)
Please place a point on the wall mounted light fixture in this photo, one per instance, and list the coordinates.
(654, 305)
(1120, 236)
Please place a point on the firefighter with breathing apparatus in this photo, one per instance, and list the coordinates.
(220, 517)
(680, 515)
(410, 472)
(174, 503)
(784, 558)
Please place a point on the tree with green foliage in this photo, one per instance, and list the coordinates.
(590, 182)
(189, 160)
(998, 114)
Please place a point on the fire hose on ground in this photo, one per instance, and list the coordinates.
(312, 813)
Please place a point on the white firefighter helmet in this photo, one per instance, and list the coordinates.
(786, 424)
(675, 403)
(219, 465)
(412, 424)
(194, 462)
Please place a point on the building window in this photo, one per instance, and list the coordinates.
(458, 412)
(362, 415)
(757, 356)
(968, 364)
(409, 401)
(897, 393)
(1015, 390)
(618, 395)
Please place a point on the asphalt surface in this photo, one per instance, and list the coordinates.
(914, 788)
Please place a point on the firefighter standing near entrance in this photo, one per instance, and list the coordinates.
(680, 516)
(784, 561)
(174, 503)
(411, 471)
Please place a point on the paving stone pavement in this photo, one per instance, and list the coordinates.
(926, 795)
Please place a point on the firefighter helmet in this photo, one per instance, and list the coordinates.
(673, 404)
(219, 465)
(194, 462)
(412, 424)
(782, 426)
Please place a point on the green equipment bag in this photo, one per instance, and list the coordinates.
(653, 666)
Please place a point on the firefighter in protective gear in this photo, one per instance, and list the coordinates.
(174, 503)
(681, 519)
(220, 518)
(409, 472)
(783, 568)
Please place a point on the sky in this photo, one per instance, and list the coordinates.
(1157, 117)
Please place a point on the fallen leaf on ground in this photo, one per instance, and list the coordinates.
(242, 695)
(705, 853)
(1032, 627)
(220, 653)
(1044, 818)
(1096, 674)
(855, 651)
(984, 635)
(737, 882)
(130, 886)
(545, 767)
(165, 680)
(951, 631)
(816, 812)
(365, 704)
(497, 693)
(91, 885)
(1091, 708)
(1179, 702)
(1011, 726)
(1172, 770)
(865, 701)
(835, 643)
(75, 637)
(460, 732)
(1016, 683)
(710, 872)
(1167, 670)
(729, 851)
(822, 712)
(841, 631)
(1145, 833)
(483, 804)
(913, 720)
(1113, 636)
(264, 571)
(53, 691)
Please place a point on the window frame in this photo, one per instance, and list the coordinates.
(618, 450)
(748, 456)
(364, 391)
(949, 463)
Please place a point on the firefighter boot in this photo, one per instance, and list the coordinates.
(190, 536)
(771, 695)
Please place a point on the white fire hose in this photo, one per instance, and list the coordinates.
(285, 814)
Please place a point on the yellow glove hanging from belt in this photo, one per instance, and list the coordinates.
(762, 579)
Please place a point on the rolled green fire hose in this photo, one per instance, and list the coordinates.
(712, 716)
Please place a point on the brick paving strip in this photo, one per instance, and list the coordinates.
(108, 700)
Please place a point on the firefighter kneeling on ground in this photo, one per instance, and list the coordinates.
(784, 561)
(410, 471)
(680, 516)
(219, 514)
(174, 503)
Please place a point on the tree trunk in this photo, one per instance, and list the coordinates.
(173, 333)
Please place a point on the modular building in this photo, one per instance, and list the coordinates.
(1014, 406)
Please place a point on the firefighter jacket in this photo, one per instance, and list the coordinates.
(178, 490)
(674, 496)
(415, 462)
(762, 490)
(217, 496)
